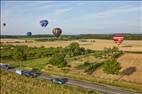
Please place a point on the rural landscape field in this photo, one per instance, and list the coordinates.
(71, 47)
(130, 61)
(94, 44)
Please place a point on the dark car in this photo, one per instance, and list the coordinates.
(30, 73)
(59, 80)
(6, 66)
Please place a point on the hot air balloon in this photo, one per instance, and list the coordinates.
(29, 33)
(43, 23)
(118, 39)
(4, 24)
(57, 32)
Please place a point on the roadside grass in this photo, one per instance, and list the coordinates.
(28, 64)
(15, 84)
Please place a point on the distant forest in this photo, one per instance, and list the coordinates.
(81, 36)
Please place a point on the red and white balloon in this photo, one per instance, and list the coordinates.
(118, 39)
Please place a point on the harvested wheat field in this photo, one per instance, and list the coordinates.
(95, 44)
(132, 67)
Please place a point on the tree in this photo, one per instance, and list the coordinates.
(58, 60)
(73, 50)
(19, 54)
(111, 67)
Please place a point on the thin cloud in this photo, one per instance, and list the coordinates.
(61, 11)
(26, 3)
(109, 13)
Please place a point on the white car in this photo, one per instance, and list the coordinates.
(19, 72)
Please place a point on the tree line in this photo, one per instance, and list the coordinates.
(127, 36)
(57, 55)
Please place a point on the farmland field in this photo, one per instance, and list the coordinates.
(131, 63)
(95, 44)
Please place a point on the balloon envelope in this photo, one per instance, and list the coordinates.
(118, 38)
(29, 33)
(43, 23)
(57, 32)
(4, 24)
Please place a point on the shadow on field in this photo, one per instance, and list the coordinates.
(129, 71)
(126, 46)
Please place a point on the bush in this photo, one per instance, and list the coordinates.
(89, 67)
(112, 52)
(92, 67)
(83, 66)
(65, 70)
(111, 67)
(58, 60)
(109, 53)
(74, 50)
(93, 92)
(18, 53)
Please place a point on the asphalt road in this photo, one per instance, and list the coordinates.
(105, 89)
(102, 88)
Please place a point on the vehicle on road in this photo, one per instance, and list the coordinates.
(27, 73)
(30, 73)
(18, 72)
(5, 66)
(59, 80)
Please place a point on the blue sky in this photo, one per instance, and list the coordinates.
(74, 17)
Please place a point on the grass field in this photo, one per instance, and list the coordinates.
(95, 44)
(15, 84)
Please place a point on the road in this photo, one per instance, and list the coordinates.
(102, 88)
(105, 89)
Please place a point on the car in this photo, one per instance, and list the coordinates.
(30, 73)
(19, 72)
(59, 80)
(5, 66)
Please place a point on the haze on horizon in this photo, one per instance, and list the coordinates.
(74, 17)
